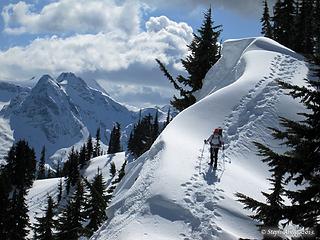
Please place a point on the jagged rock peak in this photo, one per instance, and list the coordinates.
(66, 76)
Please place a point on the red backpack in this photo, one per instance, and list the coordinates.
(219, 132)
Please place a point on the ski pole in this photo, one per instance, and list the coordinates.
(201, 157)
(223, 158)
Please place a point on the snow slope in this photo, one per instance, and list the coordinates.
(8, 92)
(170, 192)
(37, 195)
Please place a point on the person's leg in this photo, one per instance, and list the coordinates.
(216, 150)
(211, 155)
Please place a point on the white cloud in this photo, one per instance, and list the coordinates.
(72, 16)
(116, 58)
(98, 52)
(99, 39)
(244, 7)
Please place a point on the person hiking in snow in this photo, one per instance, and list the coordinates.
(215, 141)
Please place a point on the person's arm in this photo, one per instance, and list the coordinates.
(208, 140)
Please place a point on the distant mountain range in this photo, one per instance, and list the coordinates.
(59, 113)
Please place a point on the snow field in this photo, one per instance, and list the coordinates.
(173, 185)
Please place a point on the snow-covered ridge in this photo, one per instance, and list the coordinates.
(170, 192)
(231, 65)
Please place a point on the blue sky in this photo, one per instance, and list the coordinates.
(112, 41)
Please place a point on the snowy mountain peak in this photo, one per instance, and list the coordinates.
(65, 76)
(45, 84)
(46, 79)
(71, 79)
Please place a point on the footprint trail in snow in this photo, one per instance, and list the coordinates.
(202, 192)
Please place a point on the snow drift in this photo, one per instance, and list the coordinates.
(170, 192)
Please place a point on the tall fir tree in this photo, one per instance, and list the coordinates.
(16, 177)
(5, 204)
(71, 219)
(316, 29)
(18, 220)
(114, 142)
(43, 229)
(83, 156)
(304, 40)
(271, 212)
(168, 119)
(21, 165)
(266, 21)
(155, 128)
(59, 196)
(302, 163)
(97, 203)
(113, 169)
(96, 150)
(71, 169)
(41, 167)
(58, 169)
(89, 148)
(284, 20)
(122, 172)
(204, 53)
(299, 165)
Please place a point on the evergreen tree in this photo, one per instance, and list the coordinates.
(271, 212)
(50, 173)
(266, 21)
(97, 203)
(18, 221)
(284, 20)
(316, 31)
(41, 167)
(89, 148)
(72, 171)
(168, 119)
(302, 163)
(155, 128)
(5, 204)
(304, 42)
(59, 191)
(122, 172)
(114, 143)
(143, 135)
(44, 227)
(21, 165)
(113, 169)
(204, 53)
(58, 169)
(16, 176)
(70, 221)
(83, 156)
(96, 151)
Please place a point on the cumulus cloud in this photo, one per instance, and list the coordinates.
(98, 52)
(113, 57)
(100, 39)
(72, 16)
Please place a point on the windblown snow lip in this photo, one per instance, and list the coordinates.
(232, 64)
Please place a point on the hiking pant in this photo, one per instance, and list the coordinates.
(214, 154)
